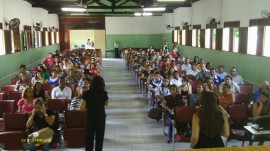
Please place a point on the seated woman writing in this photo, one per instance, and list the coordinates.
(41, 126)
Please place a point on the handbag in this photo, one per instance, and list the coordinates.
(155, 113)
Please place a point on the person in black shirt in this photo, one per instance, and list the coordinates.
(169, 103)
(94, 101)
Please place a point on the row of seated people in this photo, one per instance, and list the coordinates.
(56, 97)
(229, 88)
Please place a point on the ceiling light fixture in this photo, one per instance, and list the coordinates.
(171, 0)
(143, 14)
(73, 9)
(154, 9)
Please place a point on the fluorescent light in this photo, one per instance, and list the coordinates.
(147, 14)
(171, 0)
(73, 9)
(79, 14)
(137, 14)
(154, 9)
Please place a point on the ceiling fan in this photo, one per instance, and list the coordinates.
(14, 23)
(266, 15)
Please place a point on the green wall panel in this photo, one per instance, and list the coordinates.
(253, 69)
(134, 40)
(10, 63)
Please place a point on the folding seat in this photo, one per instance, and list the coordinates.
(14, 80)
(238, 119)
(1, 96)
(47, 87)
(7, 106)
(74, 132)
(15, 95)
(6, 89)
(58, 105)
(14, 135)
(194, 84)
(72, 86)
(182, 118)
(246, 90)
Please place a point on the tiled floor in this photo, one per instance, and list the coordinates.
(128, 127)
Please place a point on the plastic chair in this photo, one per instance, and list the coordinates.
(7, 106)
(58, 105)
(6, 89)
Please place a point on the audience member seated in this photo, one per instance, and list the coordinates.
(235, 77)
(77, 71)
(209, 123)
(86, 74)
(208, 66)
(196, 60)
(174, 66)
(59, 72)
(164, 89)
(263, 86)
(38, 92)
(193, 71)
(186, 66)
(221, 72)
(185, 89)
(44, 73)
(26, 103)
(23, 82)
(154, 84)
(53, 79)
(22, 70)
(216, 79)
(169, 103)
(62, 91)
(143, 67)
(209, 85)
(202, 75)
(170, 72)
(146, 72)
(66, 66)
(71, 77)
(49, 59)
(234, 88)
(76, 101)
(38, 78)
(226, 96)
(261, 108)
(156, 63)
(195, 97)
(176, 79)
(94, 71)
(41, 126)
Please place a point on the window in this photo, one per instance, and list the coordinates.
(175, 36)
(235, 39)
(2, 46)
(57, 37)
(183, 37)
(214, 38)
(266, 45)
(194, 37)
(46, 38)
(37, 39)
(252, 40)
(226, 39)
(207, 38)
(199, 39)
(52, 38)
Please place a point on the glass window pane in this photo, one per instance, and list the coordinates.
(226, 39)
(52, 38)
(175, 36)
(207, 38)
(199, 38)
(2, 46)
(57, 37)
(194, 38)
(183, 37)
(252, 40)
(266, 46)
(214, 36)
(235, 39)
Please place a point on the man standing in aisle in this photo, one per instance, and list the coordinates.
(116, 49)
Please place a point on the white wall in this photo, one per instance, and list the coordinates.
(243, 10)
(204, 9)
(17, 9)
(134, 25)
(28, 15)
(182, 15)
(168, 19)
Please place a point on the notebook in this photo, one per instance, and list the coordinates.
(262, 124)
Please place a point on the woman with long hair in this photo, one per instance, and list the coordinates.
(209, 123)
(38, 78)
(26, 103)
(94, 101)
(38, 92)
(23, 82)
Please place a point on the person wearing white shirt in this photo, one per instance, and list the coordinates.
(186, 66)
(176, 79)
(235, 77)
(234, 88)
(193, 71)
(221, 72)
(62, 91)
